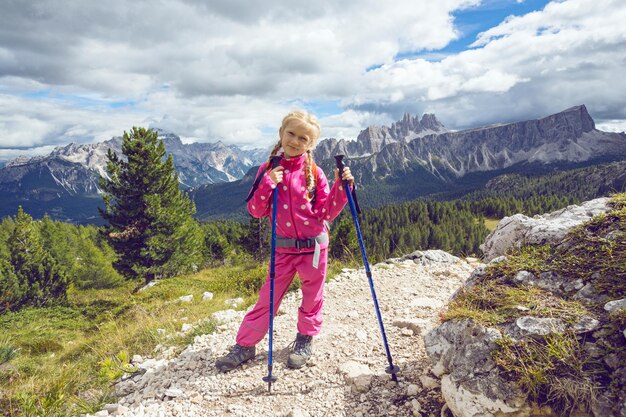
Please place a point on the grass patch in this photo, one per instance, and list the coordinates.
(492, 303)
(491, 224)
(554, 370)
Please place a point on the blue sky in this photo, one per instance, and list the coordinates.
(233, 69)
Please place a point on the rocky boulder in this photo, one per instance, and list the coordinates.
(518, 230)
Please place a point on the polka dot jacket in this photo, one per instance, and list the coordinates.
(296, 218)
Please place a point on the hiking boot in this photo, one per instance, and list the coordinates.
(301, 351)
(234, 358)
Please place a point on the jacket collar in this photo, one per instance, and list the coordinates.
(293, 163)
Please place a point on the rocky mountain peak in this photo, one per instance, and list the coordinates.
(430, 121)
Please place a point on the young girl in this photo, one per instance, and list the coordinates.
(305, 203)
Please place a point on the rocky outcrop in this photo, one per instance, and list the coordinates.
(519, 230)
(575, 309)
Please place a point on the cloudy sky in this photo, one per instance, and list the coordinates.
(76, 71)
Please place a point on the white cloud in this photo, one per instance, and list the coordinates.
(570, 53)
(230, 69)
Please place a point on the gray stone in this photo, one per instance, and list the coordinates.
(186, 298)
(174, 392)
(499, 259)
(207, 296)
(111, 408)
(225, 316)
(465, 402)
(589, 294)
(428, 382)
(431, 256)
(524, 277)
(585, 324)
(462, 347)
(412, 390)
(535, 326)
(476, 276)
(572, 286)
(518, 230)
(615, 306)
(416, 325)
(357, 374)
(593, 350)
(234, 302)
(550, 281)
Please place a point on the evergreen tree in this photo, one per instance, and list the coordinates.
(42, 279)
(11, 292)
(150, 220)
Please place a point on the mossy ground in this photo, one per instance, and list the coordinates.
(556, 370)
(60, 361)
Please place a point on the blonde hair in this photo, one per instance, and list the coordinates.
(313, 126)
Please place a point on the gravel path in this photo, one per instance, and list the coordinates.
(346, 375)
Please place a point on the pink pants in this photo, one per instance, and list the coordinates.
(257, 322)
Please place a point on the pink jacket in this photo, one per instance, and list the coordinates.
(296, 218)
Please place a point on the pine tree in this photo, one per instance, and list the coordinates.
(11, 292)
(150, 220)
(41, 279)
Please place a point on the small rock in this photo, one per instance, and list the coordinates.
(417, 325)
(174, 392)
(615, 306)
(498, 260)
(585, 324)
(524, 277)
(207, 296)
(234, 302)
(186, 327)
(102, 413)
(160, 331)
(111, 408)
(428, 382)
(137, 359)
(412, 390)
(539, 326)
(406, 332)
(416, 407)
(357, 374)
(224, 316)
(573, 285)
(186, 298)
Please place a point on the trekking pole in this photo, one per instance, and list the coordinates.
(274, 162)
(391, 369)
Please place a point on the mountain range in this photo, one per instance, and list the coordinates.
(410, 158)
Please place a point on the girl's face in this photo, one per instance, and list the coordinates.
(296, 138)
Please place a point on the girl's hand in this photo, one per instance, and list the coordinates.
(347, 175)
(276, 175)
